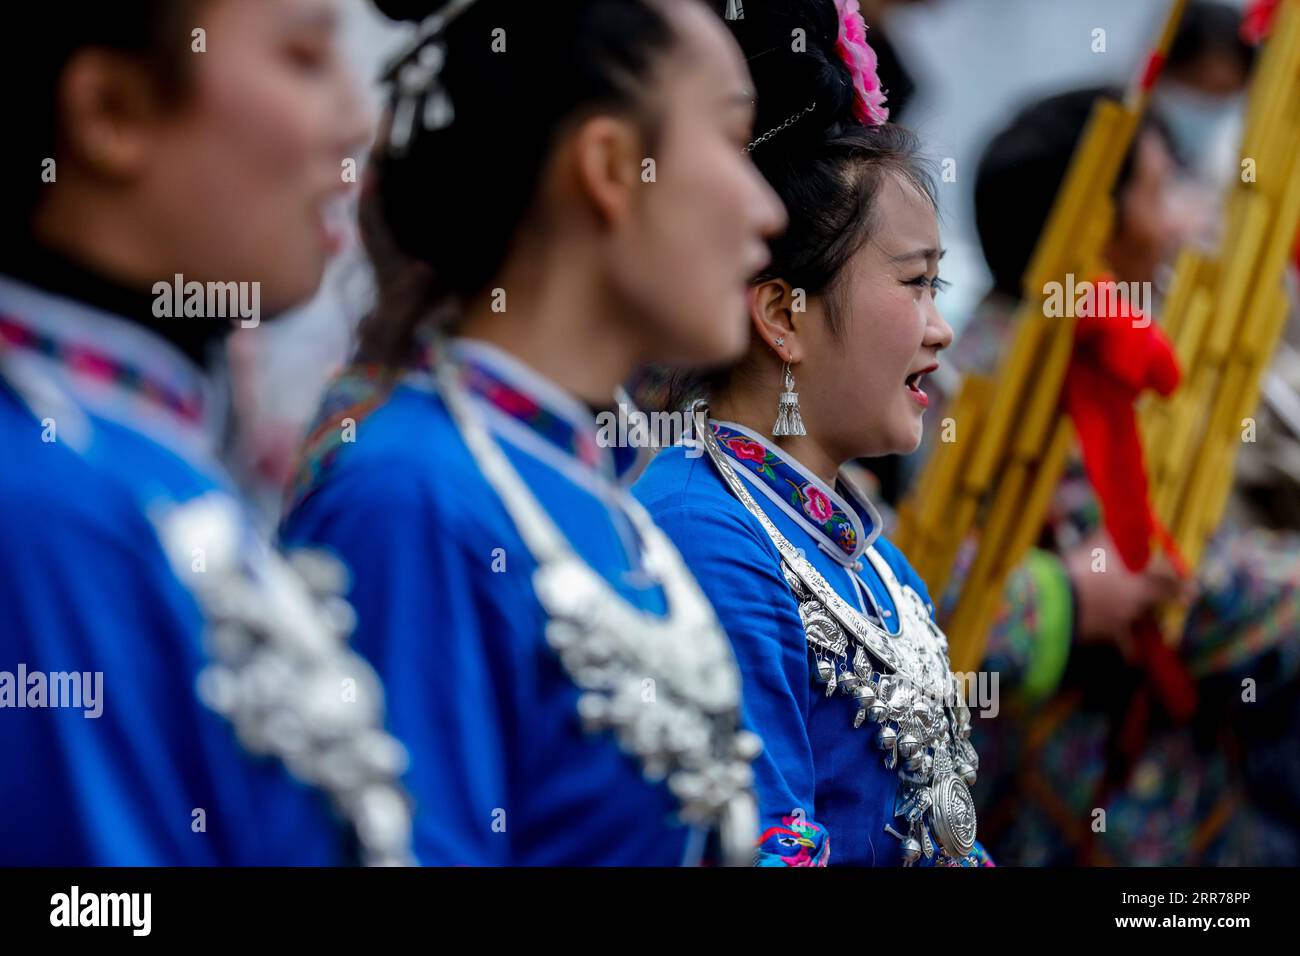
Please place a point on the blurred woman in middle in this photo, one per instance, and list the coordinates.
(788, 550)
(564, 190)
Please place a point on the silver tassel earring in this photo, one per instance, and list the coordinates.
(788, 419)
(735, 10)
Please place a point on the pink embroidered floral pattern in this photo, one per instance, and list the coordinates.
(817, 506)
(802, 495)
(747, 450)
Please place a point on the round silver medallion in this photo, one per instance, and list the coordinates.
(953, 812)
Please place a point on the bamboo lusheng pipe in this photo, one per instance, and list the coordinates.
(1196, 537)
(934, 545)
(1203, 372)
(1016, 475)
(1240, 388)
(1240, 271)
(1277, 72)
(938, 484)
(1042, 483)
(1248, 301)
(1218, 382)
(1169, 426)
(1225, 384)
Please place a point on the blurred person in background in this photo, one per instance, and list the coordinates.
(1201, 92)
(1183, 792)
(155, 144)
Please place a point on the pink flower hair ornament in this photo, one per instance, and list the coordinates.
(851, 46)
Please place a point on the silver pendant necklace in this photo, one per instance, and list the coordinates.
(282, 673)
(903, 683)
(667, 687)
(278, 664)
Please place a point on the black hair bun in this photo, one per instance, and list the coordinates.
(792, 70)
(412, 10)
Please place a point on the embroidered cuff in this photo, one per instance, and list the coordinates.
(794, 842)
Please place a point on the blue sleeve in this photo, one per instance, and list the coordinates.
(146, 776)
(741, 575)
(429, 634)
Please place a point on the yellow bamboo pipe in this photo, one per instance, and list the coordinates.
(946, 554)
(1031, 372)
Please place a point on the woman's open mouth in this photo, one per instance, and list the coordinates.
(334, 221)
(913, 385)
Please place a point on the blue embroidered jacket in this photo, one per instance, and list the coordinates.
(102, 423)
(824, 792)
(502, 771)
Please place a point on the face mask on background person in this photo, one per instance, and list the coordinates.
(1206, 129)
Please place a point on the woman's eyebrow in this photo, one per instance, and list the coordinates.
(926, 254)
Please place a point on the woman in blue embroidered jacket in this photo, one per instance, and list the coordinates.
(846, 678)
(566, 199)
(135, 163)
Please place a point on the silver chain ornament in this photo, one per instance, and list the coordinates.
(414, 77)
(784, 126)
(282, 673)
(690, 734)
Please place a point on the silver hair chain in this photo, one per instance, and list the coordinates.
(784, 126)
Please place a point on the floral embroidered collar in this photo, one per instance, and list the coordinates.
(840, 518)
(515, 391)
(535, 410)
(116, 367)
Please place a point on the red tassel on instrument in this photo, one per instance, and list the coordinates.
(1116, 358)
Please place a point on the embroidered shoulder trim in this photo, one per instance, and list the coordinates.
(355, 394)
(87, 361)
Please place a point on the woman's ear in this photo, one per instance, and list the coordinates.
(771, 309)
(605, 156)
(108, 106)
